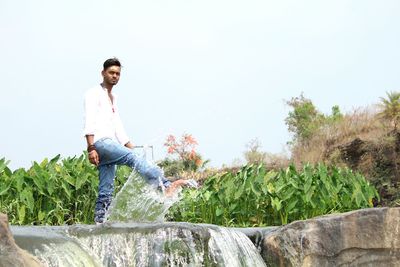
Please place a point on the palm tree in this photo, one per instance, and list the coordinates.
(390, 108)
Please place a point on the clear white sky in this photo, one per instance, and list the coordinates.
(219, 70)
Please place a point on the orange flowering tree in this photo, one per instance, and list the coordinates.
(182, 155)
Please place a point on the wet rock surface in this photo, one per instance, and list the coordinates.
(10, 254)
(368, 237)
(141, 244)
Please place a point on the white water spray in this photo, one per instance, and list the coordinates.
(137, 201)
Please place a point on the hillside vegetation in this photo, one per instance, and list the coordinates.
(366, 140)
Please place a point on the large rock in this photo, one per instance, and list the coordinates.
(10, 254)
(368, 237)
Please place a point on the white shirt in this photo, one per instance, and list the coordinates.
(101, 116)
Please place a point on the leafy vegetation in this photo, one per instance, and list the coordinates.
(305, 120)
(53, 192)
(367, 140)
(390, 108)
(63, 191)
(254, 196)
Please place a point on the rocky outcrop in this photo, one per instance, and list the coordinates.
(374, 159)
(377, 158)
(10, 254)
(368, 237)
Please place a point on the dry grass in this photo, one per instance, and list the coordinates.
(276, 161)
(361, 123)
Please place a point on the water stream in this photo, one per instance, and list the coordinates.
(137, 201)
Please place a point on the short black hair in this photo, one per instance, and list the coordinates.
(111, 62)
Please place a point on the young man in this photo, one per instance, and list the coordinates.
(107, 143)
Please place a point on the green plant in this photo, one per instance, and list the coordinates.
(390, 108)
(53, 192)
(254, 196)
(304, 121)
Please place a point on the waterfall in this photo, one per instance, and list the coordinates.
(233, 248)
(138, 244)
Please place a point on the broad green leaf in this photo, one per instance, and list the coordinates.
(307, 185)
(3, 164)
(66, 188)
(270, 176)
(219, 212)
(276, 203)
(206, 196)
(44, 163)
(270, 188)
(255, 189)
(239, 192)
(26, 197)
(55, 159)
(80, 180)
(291, 205)
(4, 188)
(21, 214)
(41, 216)
(294, 183)
(232, 207)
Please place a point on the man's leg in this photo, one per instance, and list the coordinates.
(106, 188)
(112, 153)
(153, 174)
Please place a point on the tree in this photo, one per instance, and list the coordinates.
(183, 155)
(336, 115)
(304, 120)
(390, 108)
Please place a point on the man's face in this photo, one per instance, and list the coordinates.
(111, 75)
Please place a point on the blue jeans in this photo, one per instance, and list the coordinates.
(112, 153)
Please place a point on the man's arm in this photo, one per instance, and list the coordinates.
(93, 155)
(90, 107)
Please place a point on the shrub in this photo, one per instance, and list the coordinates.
(183, 156)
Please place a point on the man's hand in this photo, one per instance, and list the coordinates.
(91, 149)
(129, 145)
(94, 157)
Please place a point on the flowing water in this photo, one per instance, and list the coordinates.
(141, 244)
(137, 201)
(135, 235)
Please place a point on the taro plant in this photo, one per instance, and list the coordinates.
(53, 192)
(254, 196)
